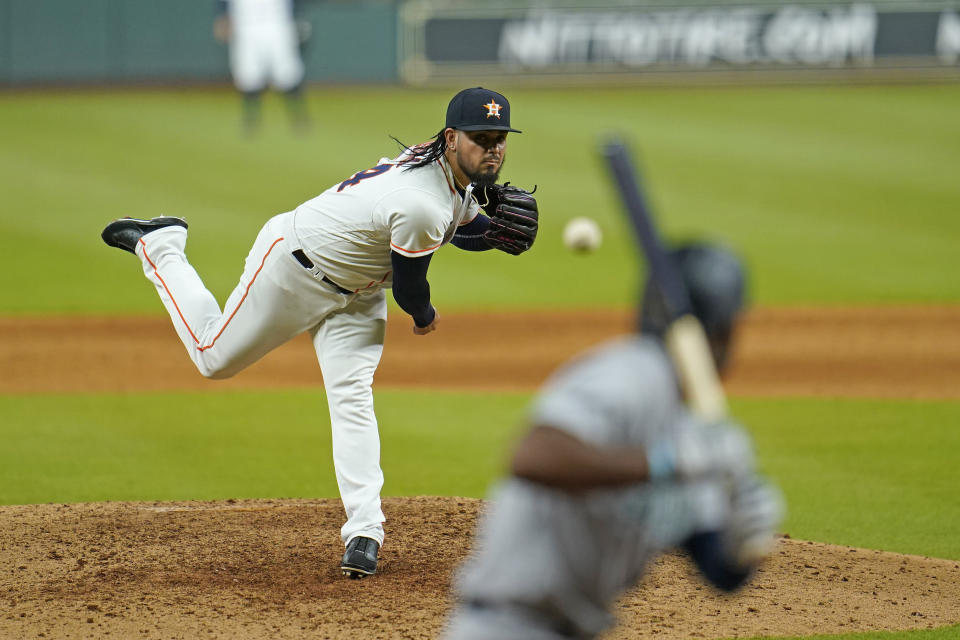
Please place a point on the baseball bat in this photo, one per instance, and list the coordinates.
(685, 338)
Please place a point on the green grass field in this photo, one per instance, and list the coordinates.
(944, 633)
(836, 196)
(874, 485)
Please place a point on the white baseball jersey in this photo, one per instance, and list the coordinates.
(258, 14)
(349, 230)
(264, 47)
(549, 563)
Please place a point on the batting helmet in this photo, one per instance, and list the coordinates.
(716, 282)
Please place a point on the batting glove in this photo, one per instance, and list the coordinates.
(698, 451)
(757, 509)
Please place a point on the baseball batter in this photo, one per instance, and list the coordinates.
(264, 52)
(614, 471)
(323, 268)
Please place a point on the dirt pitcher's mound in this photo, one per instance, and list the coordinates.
(268, 569)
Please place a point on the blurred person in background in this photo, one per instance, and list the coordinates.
(614, 471)
(264, 39)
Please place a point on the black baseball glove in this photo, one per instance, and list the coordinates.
(513, 218)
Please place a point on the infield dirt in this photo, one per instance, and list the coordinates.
(267, 568)
(901, 352)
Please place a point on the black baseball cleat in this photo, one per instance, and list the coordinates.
(360, 559)
(126, 232)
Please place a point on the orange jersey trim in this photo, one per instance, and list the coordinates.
(236, 309)
(371, 283)
(433, 248)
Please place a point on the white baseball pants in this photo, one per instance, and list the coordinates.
(276, 300)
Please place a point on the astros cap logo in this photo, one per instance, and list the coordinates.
(493, 109)
(477, 109)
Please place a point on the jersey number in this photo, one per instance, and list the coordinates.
(363, 175)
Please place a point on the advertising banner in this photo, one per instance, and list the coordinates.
(537, 41)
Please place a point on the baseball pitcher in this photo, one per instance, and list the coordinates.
(323, 268)
(614, 471)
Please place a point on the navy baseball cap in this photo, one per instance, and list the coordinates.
(479, 109)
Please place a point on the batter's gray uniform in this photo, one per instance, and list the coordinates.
(586, 548)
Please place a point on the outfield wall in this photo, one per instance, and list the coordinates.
(51, 42)
(171, 41)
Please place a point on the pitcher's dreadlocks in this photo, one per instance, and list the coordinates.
(424, 153)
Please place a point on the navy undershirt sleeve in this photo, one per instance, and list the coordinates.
(707, 552)
(470, 235)
(410, 287)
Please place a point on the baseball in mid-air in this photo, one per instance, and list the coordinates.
(582, 234)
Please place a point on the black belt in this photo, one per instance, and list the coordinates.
(305, 261)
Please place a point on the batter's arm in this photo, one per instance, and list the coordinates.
(554, 458)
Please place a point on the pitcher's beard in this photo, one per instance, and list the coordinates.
(484, 178)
